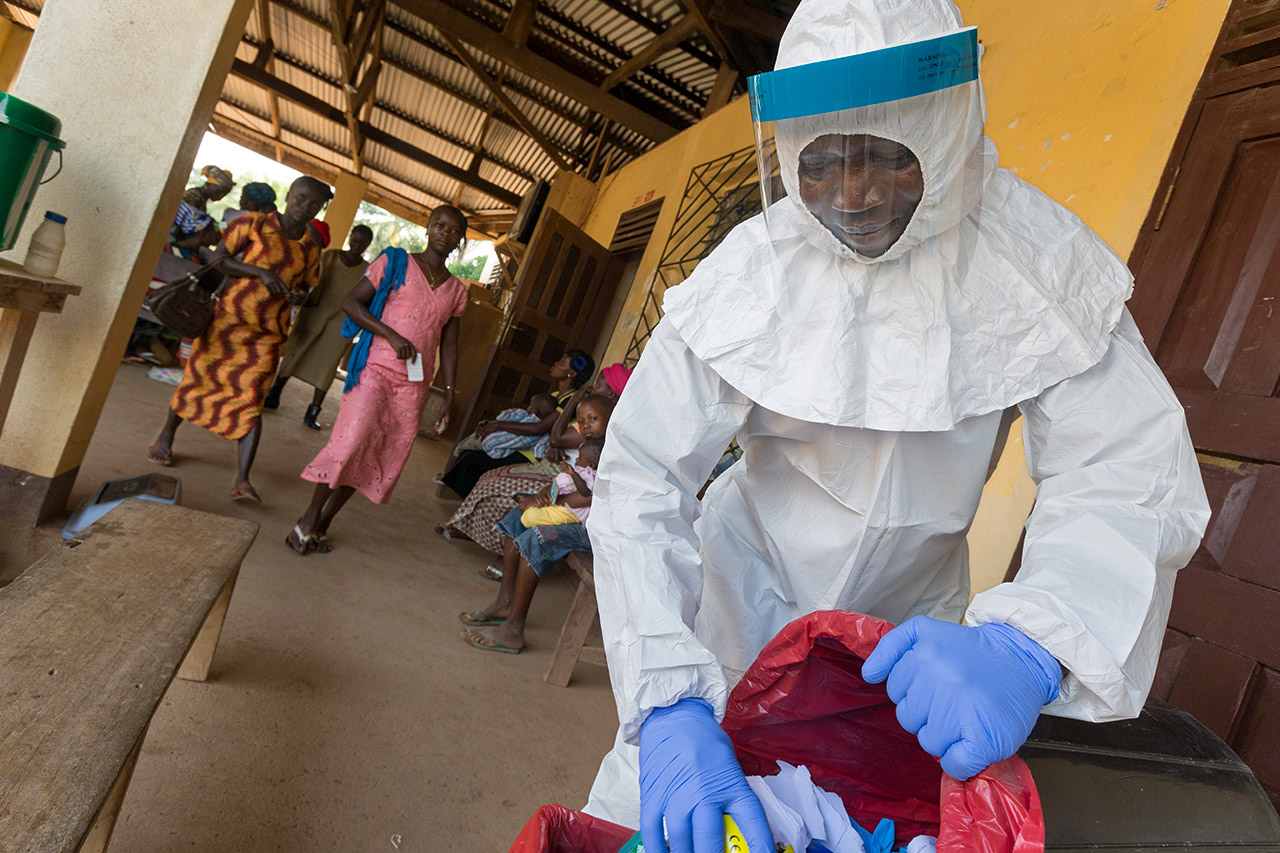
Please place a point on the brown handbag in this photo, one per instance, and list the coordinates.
(184, 306)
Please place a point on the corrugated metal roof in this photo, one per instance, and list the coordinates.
(427, 98)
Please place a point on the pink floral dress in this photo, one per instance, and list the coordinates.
(378, 421)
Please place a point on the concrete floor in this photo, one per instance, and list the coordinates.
(343, 711)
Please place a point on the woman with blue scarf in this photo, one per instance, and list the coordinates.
(406, 306)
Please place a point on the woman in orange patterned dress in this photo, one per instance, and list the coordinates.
(232, 363)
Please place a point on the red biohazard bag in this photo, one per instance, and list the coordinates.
(803, 701)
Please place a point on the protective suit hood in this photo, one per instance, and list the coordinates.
(993, 292)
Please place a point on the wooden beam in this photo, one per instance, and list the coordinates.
(475, 33)
(393, 110)
(701, 11)
(625, 10)
(309, 102)
(520, 22)
(595, 155)
(367, 85)
(388, 200)
(495, 88)
(264, 26)
(657, 46)
(745, 18)
(370, 24)
(722, 90)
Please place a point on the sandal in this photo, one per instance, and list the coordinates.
(303, 539)
(160, 454)
(490, 573)
(320, 543)
(479, 619)
(479, 642)
(245, 493)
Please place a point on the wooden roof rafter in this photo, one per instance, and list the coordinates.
(477, 34)
(295, 8)
(368, 131)
(390, 109)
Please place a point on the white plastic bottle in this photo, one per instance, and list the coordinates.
(46, 245)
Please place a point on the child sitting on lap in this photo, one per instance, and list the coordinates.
(536, 535)
(501, 443)
(571, 496)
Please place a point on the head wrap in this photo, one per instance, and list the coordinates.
(220, 177)
(582, 366)
(617, 375)
(259, 193)
(322, 228)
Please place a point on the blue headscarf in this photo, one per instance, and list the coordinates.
(392, 278)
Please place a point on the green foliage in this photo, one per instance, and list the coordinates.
(468, 269)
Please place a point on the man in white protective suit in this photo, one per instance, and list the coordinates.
(869, 338)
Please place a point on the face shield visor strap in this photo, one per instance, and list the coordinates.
(867, 126)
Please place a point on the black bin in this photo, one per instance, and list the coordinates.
(1160, 782)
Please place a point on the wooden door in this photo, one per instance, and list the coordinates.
(1206, 298)
(1208, 280)
(564, 289)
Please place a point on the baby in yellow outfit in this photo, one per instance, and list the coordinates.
(570, 496)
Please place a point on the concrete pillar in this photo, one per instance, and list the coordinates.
(132, 132)
(340, 215)
(13, 47)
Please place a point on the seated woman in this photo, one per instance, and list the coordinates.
(491, 498)
(570, 373)
(537, 534)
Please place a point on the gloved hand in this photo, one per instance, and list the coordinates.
(971, 695)
(689, 775)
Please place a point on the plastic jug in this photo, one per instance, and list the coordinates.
(45, 251)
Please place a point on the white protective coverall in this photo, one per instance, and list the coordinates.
(871, 399)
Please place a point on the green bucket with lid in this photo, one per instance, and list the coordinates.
(28, 139)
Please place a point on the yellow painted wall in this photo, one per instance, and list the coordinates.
(1085, 99)
(661, 173)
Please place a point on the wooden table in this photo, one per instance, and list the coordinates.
(23, 297)
(90, 638)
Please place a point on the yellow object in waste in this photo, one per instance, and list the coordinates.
(735, 843)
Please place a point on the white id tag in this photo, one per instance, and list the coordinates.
(414, 366)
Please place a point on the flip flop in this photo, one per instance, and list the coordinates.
(486, 622)
(245, 494)
(489, 573)
(160, 454)
(304, 538)
(474, 642)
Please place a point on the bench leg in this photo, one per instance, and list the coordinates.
(195, 667)
(572, 636)
(104, 822)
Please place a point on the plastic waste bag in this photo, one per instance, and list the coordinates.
(803, 701)
(556, 829)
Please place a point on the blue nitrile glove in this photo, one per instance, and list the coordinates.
(880, 841)
(689, 775)
(971, 695)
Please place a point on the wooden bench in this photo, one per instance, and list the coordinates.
(572, 645)
(90, 638)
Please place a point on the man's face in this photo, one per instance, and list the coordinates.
(864, 189)
(359, 241)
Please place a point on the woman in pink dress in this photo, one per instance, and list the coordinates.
(407, 305)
